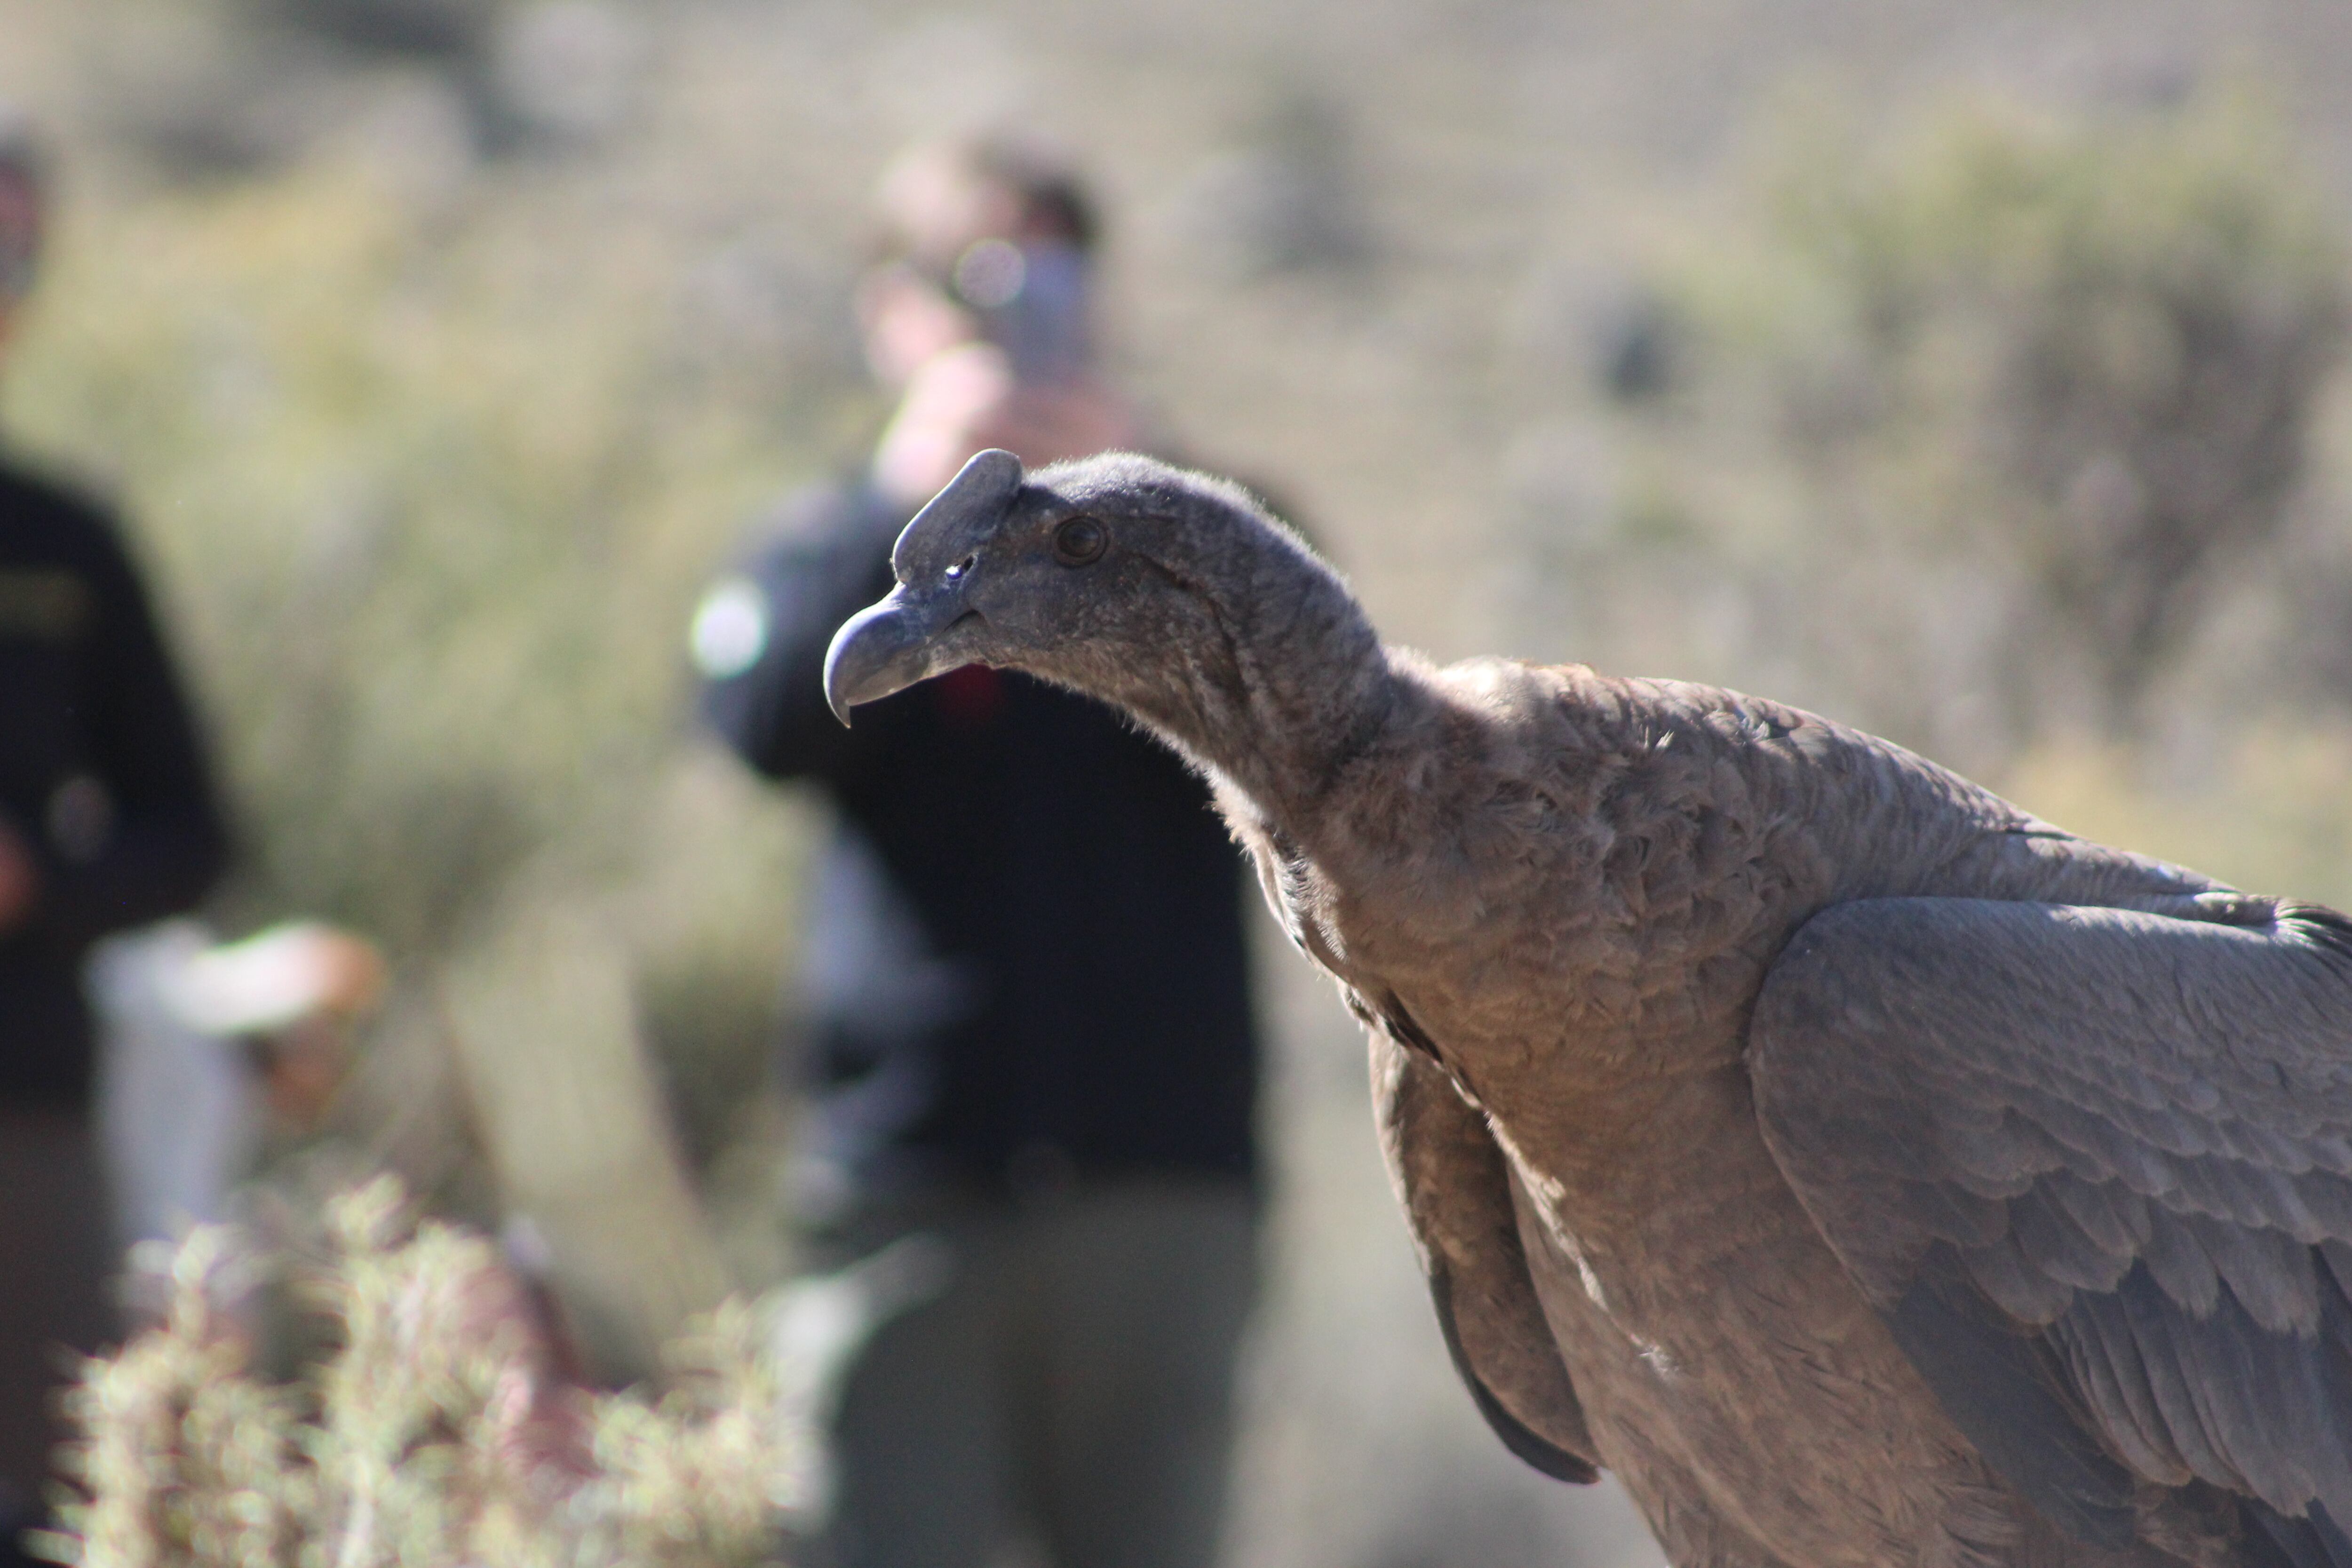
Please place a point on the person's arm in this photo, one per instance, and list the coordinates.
(759, 635)
(139, 835)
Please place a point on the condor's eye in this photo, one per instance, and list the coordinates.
(1081, 541)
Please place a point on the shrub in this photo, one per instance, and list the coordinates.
(439, 1431)
(2028, 393)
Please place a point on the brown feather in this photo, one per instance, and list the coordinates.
(1565, 895)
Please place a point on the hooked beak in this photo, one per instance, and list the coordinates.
(886, 648)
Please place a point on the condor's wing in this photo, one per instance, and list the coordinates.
(1456, 1193)
(2095, 1169)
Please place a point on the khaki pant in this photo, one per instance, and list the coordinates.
(1070, 1383)
(56, 1256)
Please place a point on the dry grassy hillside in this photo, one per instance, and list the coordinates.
(440, 347)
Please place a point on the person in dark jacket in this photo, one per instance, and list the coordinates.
(1034, 1049)
(106, 820)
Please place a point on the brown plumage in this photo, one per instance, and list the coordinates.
(1864, 1171)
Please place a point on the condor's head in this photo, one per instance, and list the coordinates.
(1172, 595)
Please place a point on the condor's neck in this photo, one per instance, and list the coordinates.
(1293, 688)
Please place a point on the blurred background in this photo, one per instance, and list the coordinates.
(1971, 373)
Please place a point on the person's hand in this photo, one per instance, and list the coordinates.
(20, 880)
(967, 400)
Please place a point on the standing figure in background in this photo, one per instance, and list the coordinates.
(214, 1057)
(1033, 1036)
(107, 820)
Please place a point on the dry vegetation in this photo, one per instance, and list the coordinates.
(438, 1430)
(1972, 372)
(2012, 403)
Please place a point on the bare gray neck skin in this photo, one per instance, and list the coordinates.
(1277, 685)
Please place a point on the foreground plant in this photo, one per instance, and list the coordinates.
(441, 1431)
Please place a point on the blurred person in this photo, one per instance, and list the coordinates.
(213, 1055)
(1034, 1058)
(107, 820)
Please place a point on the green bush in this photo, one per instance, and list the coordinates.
(431, 525)
(2013, 398)
(429, 479)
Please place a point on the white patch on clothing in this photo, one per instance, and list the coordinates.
(731, 628)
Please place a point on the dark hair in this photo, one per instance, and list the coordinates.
(1046, 189)
(1049, 189)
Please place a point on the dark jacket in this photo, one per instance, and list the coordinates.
(101, 775)
(1026, 947)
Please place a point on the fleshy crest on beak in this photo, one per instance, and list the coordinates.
(890, 645)
(966, 511)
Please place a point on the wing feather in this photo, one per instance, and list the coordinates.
(1455, 1191)
(2060, 1247)
(2107, 1362)
(2129, 1137)
(2110, 1216)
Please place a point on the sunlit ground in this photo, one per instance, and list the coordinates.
(437, 370)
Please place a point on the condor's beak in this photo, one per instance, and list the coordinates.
(887, 648)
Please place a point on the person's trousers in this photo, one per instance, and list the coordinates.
(1069, 1382)
(55, 1256)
